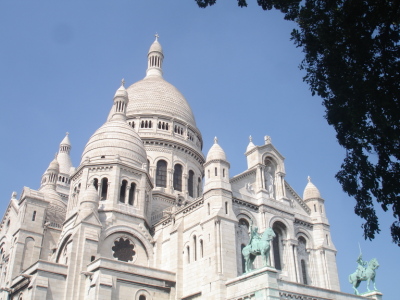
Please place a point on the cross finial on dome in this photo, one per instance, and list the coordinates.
(250, 138)
(123, 82)
(67, 133)
(157, 36)
(215, 140)
(309, 178)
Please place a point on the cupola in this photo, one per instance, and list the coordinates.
(216, 168)
(155, 59)
(311, 191)
(49, 178)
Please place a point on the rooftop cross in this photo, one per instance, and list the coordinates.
(157, 36)
(123, 82)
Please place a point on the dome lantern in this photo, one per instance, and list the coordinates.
(155, 59)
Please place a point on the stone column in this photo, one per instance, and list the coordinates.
(136, 198)
(185, 186)
(296, 263)
(170, 179)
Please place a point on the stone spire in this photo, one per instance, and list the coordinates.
(250, 145)
(63, 157)
(155, 59)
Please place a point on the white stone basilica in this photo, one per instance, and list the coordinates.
(145, 216)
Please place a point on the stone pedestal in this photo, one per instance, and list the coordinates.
(258, 284)
(373, 295)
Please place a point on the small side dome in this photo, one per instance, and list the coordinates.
(115, 139)
(53, 197)
(311, 191)
(216, 152)
(54, 165)
(121, 92)
(250, 145)
(90, 195)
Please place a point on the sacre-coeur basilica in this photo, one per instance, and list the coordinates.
(147, 216)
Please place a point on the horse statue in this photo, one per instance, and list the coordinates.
(258, 245)
(365, 272)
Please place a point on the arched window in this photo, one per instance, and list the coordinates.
(243, 260)
(34, 216)
(161, 173)
(96, 184)
(178, 177)
(280, 234)
(190, 183)
(188, 254)
(131, 198)
(122, 192)
(303, 258)
(209, 210)
(142, 297)
(216, 173)
(104, 189)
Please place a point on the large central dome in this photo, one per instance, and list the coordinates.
(156, 97)
(153, 95)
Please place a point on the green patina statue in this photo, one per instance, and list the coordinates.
(259, 244)
(365, 272)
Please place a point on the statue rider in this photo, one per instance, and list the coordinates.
(361, 266)
(255, 237)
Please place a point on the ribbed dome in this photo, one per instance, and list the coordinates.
(311, 191)
(115, 138)
(216, 152)
(155, 96)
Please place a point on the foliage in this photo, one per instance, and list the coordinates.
(352, 60)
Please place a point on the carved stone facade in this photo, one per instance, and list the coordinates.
(147, 216)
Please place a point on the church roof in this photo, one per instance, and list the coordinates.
(216, 152)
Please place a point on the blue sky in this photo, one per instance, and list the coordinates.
(60, 64)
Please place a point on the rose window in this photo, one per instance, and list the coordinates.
(123, 249)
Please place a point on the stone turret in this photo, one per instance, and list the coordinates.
(216, 168)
